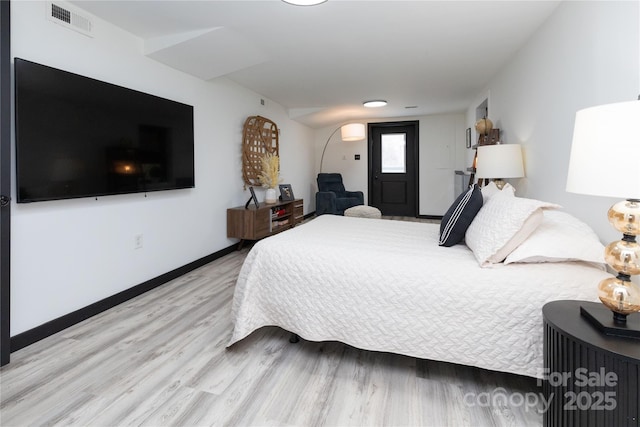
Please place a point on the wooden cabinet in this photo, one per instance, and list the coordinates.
(257, 223)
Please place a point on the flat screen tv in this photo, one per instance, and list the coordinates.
(80, 137)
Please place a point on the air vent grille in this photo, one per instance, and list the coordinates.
(60, 13)
(64, 15)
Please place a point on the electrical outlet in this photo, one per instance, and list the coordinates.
(137, 241)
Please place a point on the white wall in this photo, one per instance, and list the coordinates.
(441, 151)
(69, 254)
(586, 54)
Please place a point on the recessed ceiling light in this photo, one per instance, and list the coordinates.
(375, 103)
(304, 2)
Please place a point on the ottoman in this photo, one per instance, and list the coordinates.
(363, 211)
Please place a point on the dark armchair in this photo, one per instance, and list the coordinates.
(332, 198)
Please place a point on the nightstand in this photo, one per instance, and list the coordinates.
(591, 379)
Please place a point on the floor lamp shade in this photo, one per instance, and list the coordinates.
(352, 132)
(348, 132)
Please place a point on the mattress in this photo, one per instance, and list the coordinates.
(385, 285)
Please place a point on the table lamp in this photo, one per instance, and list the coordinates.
(499, 161)
(605, 161)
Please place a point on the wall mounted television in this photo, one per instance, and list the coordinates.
(81, 137)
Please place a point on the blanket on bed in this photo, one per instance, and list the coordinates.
(387, 286)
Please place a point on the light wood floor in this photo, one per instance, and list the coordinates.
(160, 360)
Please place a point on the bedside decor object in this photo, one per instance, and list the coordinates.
(259, 137)
(484, 126)
(604, 162)
(348, 132)
(499, 161)
(286, 193)
(269, 177)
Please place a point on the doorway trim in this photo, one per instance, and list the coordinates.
(5, 181)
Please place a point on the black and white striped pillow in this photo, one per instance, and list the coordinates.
(459, 216)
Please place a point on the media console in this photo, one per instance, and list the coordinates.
(255, 223)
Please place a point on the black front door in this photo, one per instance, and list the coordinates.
(393, 167)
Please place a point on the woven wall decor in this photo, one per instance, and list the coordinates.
(259, 137)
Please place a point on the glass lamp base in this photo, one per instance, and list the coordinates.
(603, 319)
(500, 183)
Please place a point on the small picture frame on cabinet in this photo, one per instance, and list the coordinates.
(468, 135)
(252, 198)
(286, 193)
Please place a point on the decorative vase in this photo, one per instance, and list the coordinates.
(270, 195)
(484, 126)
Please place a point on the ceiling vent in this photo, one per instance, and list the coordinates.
(62, 14)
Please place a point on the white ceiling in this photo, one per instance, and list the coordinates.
(321, 62)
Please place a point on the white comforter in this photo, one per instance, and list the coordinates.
(387, 286)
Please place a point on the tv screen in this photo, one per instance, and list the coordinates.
(80, 137)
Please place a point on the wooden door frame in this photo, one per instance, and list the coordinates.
(416, 151)
(5, 179)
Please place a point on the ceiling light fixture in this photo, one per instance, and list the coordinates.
(304, 2)
(374, 103)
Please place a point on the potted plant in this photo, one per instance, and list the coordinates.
(270, 176)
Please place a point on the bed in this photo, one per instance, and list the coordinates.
(388, 286)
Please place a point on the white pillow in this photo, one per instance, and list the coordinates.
(501, 225)
(560, 237)
(491, 189)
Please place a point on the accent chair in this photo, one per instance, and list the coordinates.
(332, 198)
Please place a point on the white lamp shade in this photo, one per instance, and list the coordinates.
(352, 132)
(499, 161)
(605, 153)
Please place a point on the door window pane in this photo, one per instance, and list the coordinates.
(394, 148)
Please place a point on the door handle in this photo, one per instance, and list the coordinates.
(4, 201)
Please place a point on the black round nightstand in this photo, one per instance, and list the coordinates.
(591, 379)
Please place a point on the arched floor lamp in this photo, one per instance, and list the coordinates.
(348, 132)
